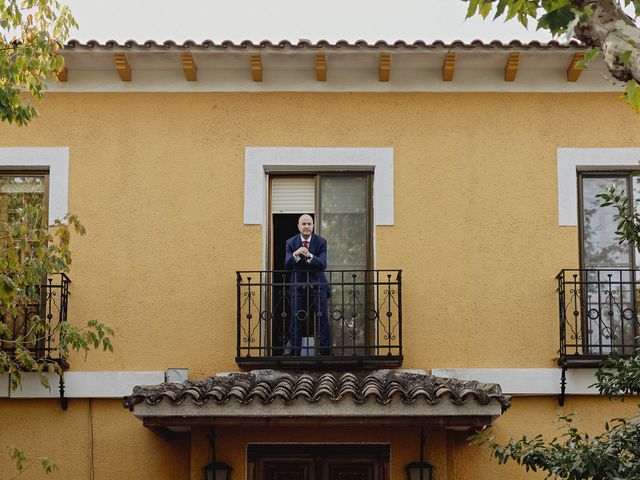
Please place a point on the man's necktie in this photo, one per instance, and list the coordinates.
(305, 244)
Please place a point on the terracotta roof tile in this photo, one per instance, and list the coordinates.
(266, 386)
(323, 44)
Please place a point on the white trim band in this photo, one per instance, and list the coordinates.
(81, 384)
(259, 160)
(569, 162)
(53, 159)
(116, 384)
(527, 381)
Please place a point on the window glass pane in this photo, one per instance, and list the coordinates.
(343, 213)
(344, 220)
(635, 183)
(18, 191)
(601, 248)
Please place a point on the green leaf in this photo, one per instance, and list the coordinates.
(632, 95)
(585, 14)
(19, 457)
(591, 55)
(502, 5)
(625, 57)
(484, 10)
(557, 20)
(48, 466)
(473, 7)
(44, 381)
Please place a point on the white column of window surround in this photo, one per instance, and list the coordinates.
(260, 160)
(570, 160)
(527, 381)
(53, 159)
(104, 384)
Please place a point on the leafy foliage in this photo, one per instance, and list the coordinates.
(563, 17)
(611, 455)
(628, 228)
(31, 34)
(30, 252)
(631, 94)
(619, 376)
(22, 462)
(557, 17)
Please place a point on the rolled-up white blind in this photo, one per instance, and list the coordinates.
(293, 195)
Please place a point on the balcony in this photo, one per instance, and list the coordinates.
(364, 313)
(52, 308)
(598, 315)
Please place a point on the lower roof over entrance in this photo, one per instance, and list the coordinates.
(261, 397)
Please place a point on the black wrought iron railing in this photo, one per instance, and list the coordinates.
(598, 314)
(39, 338)
(353, 318)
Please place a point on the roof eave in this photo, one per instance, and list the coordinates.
(322, 45)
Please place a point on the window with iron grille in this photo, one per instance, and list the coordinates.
(19, 189)
(609, 277)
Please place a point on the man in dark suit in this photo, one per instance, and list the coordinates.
(306, 257)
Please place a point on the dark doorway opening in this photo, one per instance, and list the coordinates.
(285, 226)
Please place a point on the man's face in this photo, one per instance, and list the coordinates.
(305, 225)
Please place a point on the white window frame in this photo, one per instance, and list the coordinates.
(53, 159)
(571, 160)
(259, 161)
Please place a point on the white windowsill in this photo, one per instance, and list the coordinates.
(107, 384)
(527, 381)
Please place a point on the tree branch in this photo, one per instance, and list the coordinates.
(611, 30)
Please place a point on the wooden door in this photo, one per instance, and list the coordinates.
(318, 462)
(286, 469)
(350, 469)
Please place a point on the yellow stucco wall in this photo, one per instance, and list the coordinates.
(106, 441)
(158, 181)
(92, 439)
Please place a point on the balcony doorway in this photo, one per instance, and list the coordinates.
(340, 205)
(609, 280)
(284, 226)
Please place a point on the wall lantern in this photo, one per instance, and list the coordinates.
(420, 470)
(215, 470)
